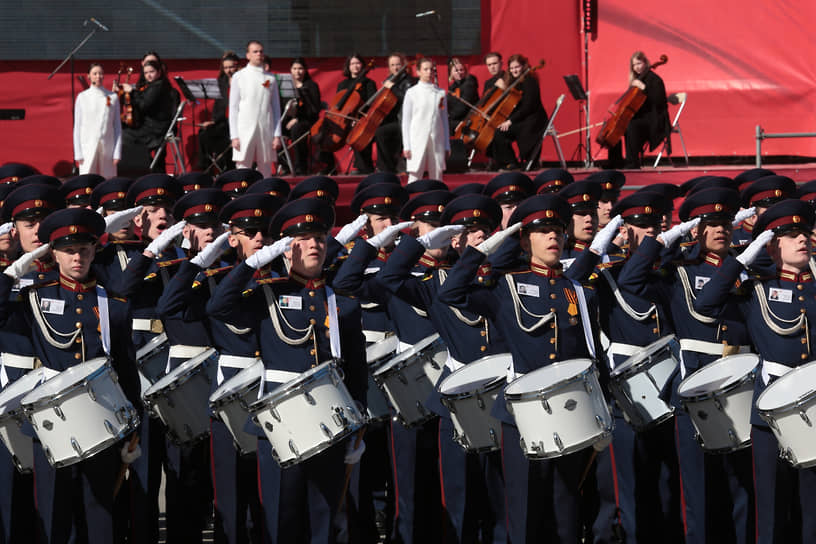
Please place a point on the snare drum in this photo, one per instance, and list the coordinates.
(469, 394)
(788, 405)
(230, 403)
(180, 398)
(637, 383)
(151, 359)
(409, 379)
(12, 418)
(718, 397)
(80, 412)
(377, 354)
(307, 415)
(559, 409)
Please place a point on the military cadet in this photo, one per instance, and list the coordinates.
(272, 186)
(116, 246)
(552, 180)
(321, 187)
(583, 200)
(426, 185)
(776, 310)
(12, 172)
(9, 246)
(300, 323)
(806, 193)
(77, 190)
(758, 197)
(669, 191)
(193, 181)
(472, 483)
(72, 320)
(236, 182)
(541, 316)
(612, 182)
(40, 179)
(717, 489)
(746, 178)
(473, 188)
(509, 190)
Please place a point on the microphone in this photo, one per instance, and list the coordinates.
(426, 13)
(100, 25)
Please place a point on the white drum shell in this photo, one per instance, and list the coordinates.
(470, 407)
(377, 354)
(307, 415)
(410, 377)
(180, 399)
(151, 359)
(788, 405)
(636, 384)
(12, 419)
(567, 415)
(231, 401)
(718, 397)
(80, 412)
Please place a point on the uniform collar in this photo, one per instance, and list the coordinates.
(578, 245)
(429, 262)
(76, 286)
(713, 259)
(485, 270)
(382, 254)
(316, 283)
(546, 271)
(43, 266)
(263, 272)
(787, 275)
(746, 227)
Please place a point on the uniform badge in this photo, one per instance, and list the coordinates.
(700, 281)
(776, 294)
(52, 306)
(527, 289)
(288, 302)
(572, 309)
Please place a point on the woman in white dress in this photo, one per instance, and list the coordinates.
(97, 127)
(425, 141)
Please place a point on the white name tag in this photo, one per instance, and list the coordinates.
(287, 302)
(22, 282)
(527, 289)
(780, 295)
(566, 263)
(700, 281)
(371, 270)
(52, 306)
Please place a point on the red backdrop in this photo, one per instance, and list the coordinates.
(743, 63)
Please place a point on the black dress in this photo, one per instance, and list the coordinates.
(469, 91)
(307, 113)
(650, 124)
(362, 159)
(528, 121)
(156, 104)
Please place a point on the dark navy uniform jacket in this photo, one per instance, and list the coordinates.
(112, 260)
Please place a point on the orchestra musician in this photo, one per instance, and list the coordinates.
(493, 62)
(213, 137)
(97, 127)
(304, 112)
(388, 136)
(463, 85)
(353, 67)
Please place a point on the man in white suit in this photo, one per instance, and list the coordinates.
(425, 140)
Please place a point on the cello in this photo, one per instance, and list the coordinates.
(376, 109)
(330, 130)
(627, 106)
(479, 127)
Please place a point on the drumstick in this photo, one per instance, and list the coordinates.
(586, 469)
(134, 440)
(349, 468)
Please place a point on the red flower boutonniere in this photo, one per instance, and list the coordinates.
(266, 83)
(107, 101)
(441, 103)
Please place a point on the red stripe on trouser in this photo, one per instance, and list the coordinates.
(212, 468)
(394, 463)
(504, 479)
(441, 476)
(615, 481)
(682, 492)
(756, 502)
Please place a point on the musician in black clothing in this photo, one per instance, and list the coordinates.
(526, 124)
(650, 124)
(300, 113)
(461, 85)
(493, 62)
(363, 163)
(214, 135)
(389, 133)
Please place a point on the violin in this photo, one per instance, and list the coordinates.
(376, 109)
(129, 114)
(334, 123)
(627, 106)
(478, 128)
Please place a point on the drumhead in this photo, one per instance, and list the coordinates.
(718, 375)
(285, 388)
(548, 376)
(408, 353)
(382, 348)
(242, 379)
(65, 380)
(14, 392)
(643, 354)
(473, 376)
(154, 344)
(180, 371)
(797, 385)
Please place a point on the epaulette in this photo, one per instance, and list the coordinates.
(120, 299)
(349, 246)
(210, 272)
(610, 264)
(518, 271)
(164, 264)
(150, 277)
(127, 242)
(44, 284)
(688, 243)
(268, 281)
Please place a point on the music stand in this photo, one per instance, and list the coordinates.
(12, 114)
(577, 91)
(286, 87)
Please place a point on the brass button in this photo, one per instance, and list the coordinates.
(800, 287)
(79, 311)
(77, 356)
(655, 330)
(311, 351)
(328, 333)
(804, 356)
(552, 340)
(79, 340)
(725, 327)
(553, 296)
(41, 276)
(313, 321)
(552, 282)
(804, 340)
(552, 325)
(78, 325)
(80, 296)
(654, 316)
(314, 365)
(801, 298)
(483, 333)
(311, 293)
(483, 348)
(480, 279)
(311, 308)
(257, 354)
(801, 310)
(552, 310)
(552, 356)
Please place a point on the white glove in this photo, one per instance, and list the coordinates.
(678, 231)
(122, 219)
(207, 256)
(166, 238)
(492, 244)
(353, 455)
(269, 253)
(5, 228)
(348, 232)
(753, 250)
(129, 456)
(21, 266)
(605, 236)
(742, 215)
(440, 237)
(388, 235)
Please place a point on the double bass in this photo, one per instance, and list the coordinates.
(330, 130)
(628, 105)
(480, 125)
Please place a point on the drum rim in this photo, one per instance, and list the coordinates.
(38, 373)
(228, 393)
(80, 384)
(152, 348)
(181, 376)
(486, 387)
(391, 338)
(323, 446)
(751, 375)
(399, 361)
(740, 446)
(789, 406)
(653, 423)
(623, 371)
(287, 389)
(232, 395)
(129, 428)
(538, 393)
(408, 353)
(606, 433)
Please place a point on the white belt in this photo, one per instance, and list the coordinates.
(280, 376)
(148, 325)
(452, 364)
(769, 368)
(619, 348)
(26, 362)
(403, 346)
(235, 361)
(180, 351)
(512, 375)
(374, 336)
(710, 348)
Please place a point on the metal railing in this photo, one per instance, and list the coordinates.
(762, 135)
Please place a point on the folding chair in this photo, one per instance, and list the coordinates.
(676, 99)
(550, 131)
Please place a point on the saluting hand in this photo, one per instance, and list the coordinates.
(21, 266)
(492, 244)
(388, 235)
